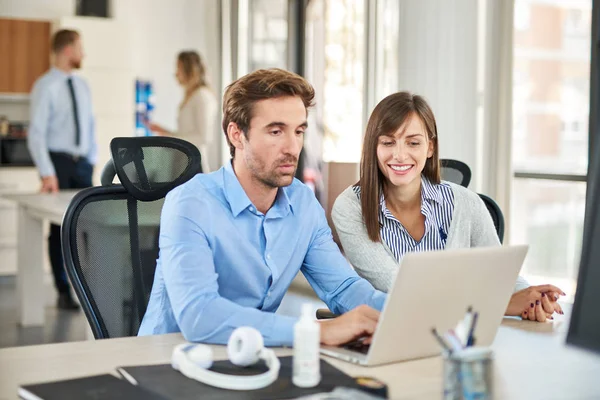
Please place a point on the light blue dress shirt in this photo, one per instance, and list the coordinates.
(223, 264)
(52, 124)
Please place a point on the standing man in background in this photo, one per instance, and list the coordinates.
(61, 138)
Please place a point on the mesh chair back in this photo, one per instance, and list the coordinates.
(496, 214)
(149, 167)
(110, 233)
(456, 172)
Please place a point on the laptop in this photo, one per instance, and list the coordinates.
(434, 289)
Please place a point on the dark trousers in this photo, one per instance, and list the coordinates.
(72, 173)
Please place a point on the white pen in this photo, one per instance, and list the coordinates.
(452, 340)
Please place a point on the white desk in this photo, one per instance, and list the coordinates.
(531, 362)
(33, 210)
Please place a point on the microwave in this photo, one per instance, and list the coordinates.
(14, 152)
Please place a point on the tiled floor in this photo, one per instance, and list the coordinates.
(61, 326)
(67, 326)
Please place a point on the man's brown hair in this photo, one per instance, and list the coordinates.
(387, 117)
(63, 38)
(263, 84)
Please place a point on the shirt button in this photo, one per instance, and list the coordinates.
(251, 209)
(268, 256)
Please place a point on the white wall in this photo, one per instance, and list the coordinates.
(159, 30)
(37, 9)
(439, 61)
(496, 83)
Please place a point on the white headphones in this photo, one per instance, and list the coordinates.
(244, 348)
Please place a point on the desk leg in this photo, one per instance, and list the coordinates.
(30, 269)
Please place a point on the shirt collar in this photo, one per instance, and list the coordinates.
(282, 205)
(238, 199)
(62, 73)
(429, 191)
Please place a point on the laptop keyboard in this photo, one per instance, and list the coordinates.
(357, 346)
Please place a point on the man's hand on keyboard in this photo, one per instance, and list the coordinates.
(360, 322)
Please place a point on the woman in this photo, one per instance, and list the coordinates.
(400, 204)
(198, 110)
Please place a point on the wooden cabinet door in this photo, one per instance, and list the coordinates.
(39, 51)
(25, 53)
(4, 55)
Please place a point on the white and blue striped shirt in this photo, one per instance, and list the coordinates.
(437, 205)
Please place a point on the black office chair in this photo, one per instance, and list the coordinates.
(110, 232)
(496, 214)
(456, 172)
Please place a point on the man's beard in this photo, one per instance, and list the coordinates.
(271, 178)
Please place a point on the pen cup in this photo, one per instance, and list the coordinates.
(451, 371)
(468, 374)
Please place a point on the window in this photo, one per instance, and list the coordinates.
(550, 136)
(268, 34)
(337, 62)
(548, 216)
(343, 87)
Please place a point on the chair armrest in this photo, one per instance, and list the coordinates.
(323, 313)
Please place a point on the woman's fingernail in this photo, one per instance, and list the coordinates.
(531, 305)
(537, 302)
(543, 294)
(525, 312)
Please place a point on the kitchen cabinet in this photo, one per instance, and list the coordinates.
(24, 53)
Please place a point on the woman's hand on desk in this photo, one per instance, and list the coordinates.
(543, 309)
(350, 326)
(544, 299)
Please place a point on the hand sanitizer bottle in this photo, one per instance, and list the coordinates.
(307, 338)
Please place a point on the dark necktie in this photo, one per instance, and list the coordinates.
(75, 114)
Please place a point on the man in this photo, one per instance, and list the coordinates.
(61, 138)
(232, 241)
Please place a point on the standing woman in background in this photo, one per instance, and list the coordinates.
(198, 109)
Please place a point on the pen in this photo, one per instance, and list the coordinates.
(468, 320)
(440, 340)
(463, 326)
(471, 337)
(451, 338)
